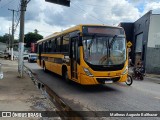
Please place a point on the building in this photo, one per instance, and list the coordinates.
(145, 37)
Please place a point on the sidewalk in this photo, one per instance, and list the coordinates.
(153, 77)
(20, 94)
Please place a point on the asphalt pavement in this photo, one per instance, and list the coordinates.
(141, 96)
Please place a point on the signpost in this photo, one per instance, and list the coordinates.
(129, 44)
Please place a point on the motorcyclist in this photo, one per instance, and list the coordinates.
(139, 70)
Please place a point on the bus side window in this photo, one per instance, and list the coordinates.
(43, 47)
(38, 48)
(38, 45)
(58, 44)
(65, 44)
(53, 45)
(49, 46)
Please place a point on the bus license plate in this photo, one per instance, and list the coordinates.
(110, 81)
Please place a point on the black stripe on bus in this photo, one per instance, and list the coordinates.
(55, 60)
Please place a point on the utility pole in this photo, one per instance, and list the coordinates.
(21, 37)
(9, 41)
(12, 40)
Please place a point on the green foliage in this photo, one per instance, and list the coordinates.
(28, 39)
(32, 38)
(16, 41)
(5, 38)
(1, 39)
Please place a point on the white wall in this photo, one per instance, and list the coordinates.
(152, 55)
(154, 31)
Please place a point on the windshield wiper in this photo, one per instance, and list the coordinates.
(110, 44)
(113, 40)
(89, 46)
(91, 42)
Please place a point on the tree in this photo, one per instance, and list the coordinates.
(5, 38)
(1, 39)
(32, 38)
(36, 31)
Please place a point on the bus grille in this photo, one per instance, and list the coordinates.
(102, 80)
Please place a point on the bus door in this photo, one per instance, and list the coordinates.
(74, 57)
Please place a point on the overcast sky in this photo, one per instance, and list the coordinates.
(48, 18)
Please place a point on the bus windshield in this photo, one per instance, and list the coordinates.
(104, 50)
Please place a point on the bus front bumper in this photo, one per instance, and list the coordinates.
(88, 80)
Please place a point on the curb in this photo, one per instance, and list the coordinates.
(153, 78)
(63, 110)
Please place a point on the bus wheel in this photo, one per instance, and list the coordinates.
(65, 76)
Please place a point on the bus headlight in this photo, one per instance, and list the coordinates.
(87, 72)
(125, 70)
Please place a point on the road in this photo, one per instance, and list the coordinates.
(141, 96)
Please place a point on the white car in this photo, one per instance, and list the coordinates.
(32, 57)
(1, 53)
(25, 56)
(4, 54)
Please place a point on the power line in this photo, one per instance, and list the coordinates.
(17, 17)
(89, 15)
(7, 4)
(17, 25)
(77, 13)
(92, 5)
(17, 13)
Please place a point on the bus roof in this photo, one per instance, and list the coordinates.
(77, 27)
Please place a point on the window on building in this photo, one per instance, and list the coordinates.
(139, 40)
(139, 26)
(146, 22)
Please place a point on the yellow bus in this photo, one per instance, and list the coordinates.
(86, 54)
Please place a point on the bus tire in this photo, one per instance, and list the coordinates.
(44, 67)
(65, 76)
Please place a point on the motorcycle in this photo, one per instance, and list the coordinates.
(138, 73)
